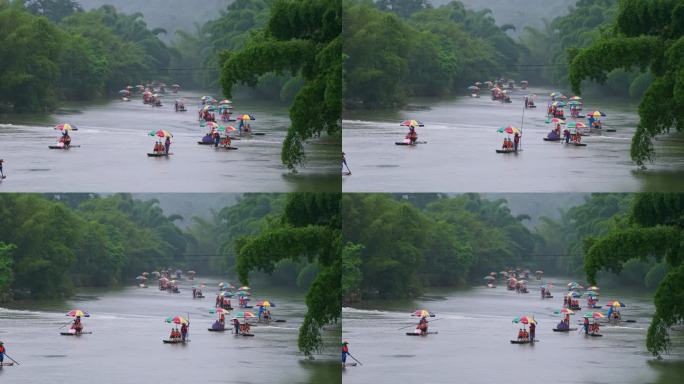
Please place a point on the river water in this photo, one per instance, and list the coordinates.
(472, 344)
(459, 156)
(114, 142)
(126, 345)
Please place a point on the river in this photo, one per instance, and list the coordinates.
(459, 156)
(126, 344)
(114, 142)
(472, 344)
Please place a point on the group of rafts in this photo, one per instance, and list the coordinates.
(515, 281)
(241, 320)
(568, 132)
(220, 136)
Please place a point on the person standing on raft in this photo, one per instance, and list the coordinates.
(516, 142)
(2, 175)
(3, 351)
(167, 145)
(236, 325)
(184, 330)
(533, 328)
(345, 352)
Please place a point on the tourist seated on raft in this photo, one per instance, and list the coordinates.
(562, 325)
(218, 326)
(159, 148)
(523, 335)
(244, 328)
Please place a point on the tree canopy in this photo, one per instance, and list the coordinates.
(654, 230)
(53, 50)
(395, 49)
(648, 35)
(308, 228)
(395, 248)
(302, 38)
(53, 247)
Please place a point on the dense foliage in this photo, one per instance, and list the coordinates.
(648, 35)
(302, 38)
(396, 49)
(73, 54)
(561, 248)
(308, 229)
(395, 248)
(100, 242)
(229, 32)
(654, 230)
(6, 275)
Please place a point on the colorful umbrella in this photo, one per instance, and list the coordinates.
(423, 313)
(597, 114)
(412, 123)
(205, 98)
(226, 294)
(244, 288)
(592, 294)
(556, 120)
(525, 320)
(265, 304)
(209, 108)
(576, 125)
(510, 130)
(176, 320)
(490, 278)
(243, 315)
(243, 293)
(246, 117)
(211, 125)
(227, 129)
(574, 294)
(160, 133)
(593, 288)
(576, 98)
(616, 304)
(77, 313)
(225, 101)
(595, 315)
(564, 311)
(219, 310)
(66, 127)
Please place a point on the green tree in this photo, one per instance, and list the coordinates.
(309, 228)
(28, 71)
(654, 231)
(302, 38)
(6, 275)
(648, 35)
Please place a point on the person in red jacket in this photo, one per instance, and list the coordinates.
(345, 352)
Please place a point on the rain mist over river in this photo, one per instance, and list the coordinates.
(126, 344)
(113, 142)
(459, 156)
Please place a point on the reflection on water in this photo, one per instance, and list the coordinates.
(461, 135)
(114, 142)
(125, 347)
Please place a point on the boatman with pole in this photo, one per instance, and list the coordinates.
(2, 353)
(345, 352)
